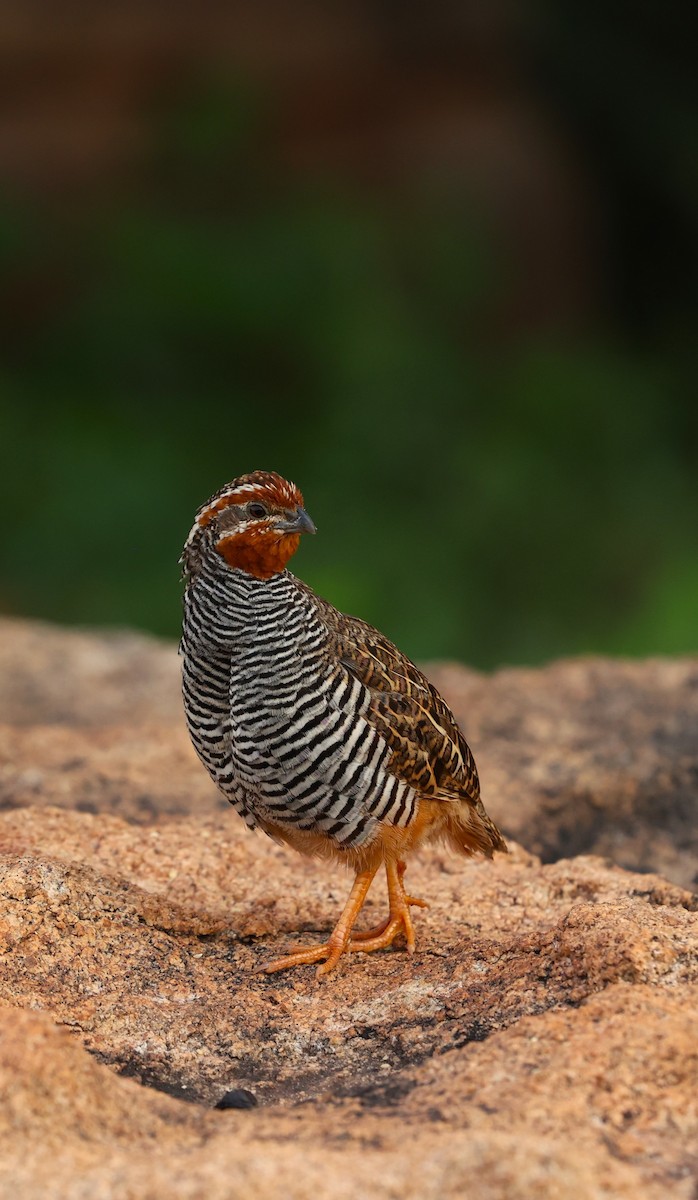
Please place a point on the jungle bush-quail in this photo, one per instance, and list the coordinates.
(312, 724)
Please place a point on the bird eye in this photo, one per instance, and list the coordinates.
(257, 510)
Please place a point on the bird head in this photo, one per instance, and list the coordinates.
(254, 523)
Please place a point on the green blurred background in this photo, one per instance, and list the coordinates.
(434, 262)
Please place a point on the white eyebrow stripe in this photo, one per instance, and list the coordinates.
(216, 505)
(286, 491)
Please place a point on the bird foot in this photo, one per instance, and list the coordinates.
(398, 922)
(343, 941)
(331, 951)
(377, 931)
(399, 915)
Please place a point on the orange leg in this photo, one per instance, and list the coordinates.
(369, 935)
(338, 942)
(399, 919)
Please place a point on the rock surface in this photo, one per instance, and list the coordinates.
(542, 1040)
(582, 757)
(590, 756)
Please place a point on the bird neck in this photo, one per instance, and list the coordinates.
(226, 607)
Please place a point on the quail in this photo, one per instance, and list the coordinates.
(315, 727)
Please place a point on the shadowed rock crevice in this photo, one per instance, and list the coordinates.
(165, 992)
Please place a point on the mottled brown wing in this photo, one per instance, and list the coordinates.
(429, 750)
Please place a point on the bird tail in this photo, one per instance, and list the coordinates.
(472, 831)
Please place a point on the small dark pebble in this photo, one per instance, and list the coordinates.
(237, 1098)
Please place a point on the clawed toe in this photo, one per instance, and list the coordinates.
(303, 956)
(396, 926)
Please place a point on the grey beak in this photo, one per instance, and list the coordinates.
(300, 522)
